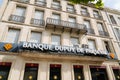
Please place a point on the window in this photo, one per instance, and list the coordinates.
(112, 19)
(40, 2)
(31, 71)
(116, 71)
(107, 47)
(55, 40)
(100, 26)
(56, 16)
(96, 14)
(117, 31)
(13, 36)
(55, 72)
(56, 4)
(4, 70)
(98, 73)
(25, 1)
(39, 14)
(74, 41)
(78, 72)
(35, 37)
(72, 19)
(70, 8)
(20, 11)
(91, 44)
(87, 24)
(84, 11)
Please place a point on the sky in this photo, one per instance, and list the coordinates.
(115, 4)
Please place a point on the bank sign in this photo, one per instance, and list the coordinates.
(57, 49)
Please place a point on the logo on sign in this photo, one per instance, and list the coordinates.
(8, 46)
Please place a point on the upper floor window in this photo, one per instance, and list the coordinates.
(70, 8)
(74, 41)
(72, 19)
(55, 16)
(107, 46)
(87, 23)
(112, 19)
(84, 11)
(100, 26)
(55, 40)
(35, 37)
(40, 2)
(56, 4)
(20, 11)
(97, 14)
(39, 14)
(117, 31)
(91, 44)
(13, 36)
(25, 1)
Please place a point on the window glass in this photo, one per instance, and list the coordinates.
(91, 44)
(56, 16)
(87, 23)
(72, 19)
(74, 41)
(112, 19)
(55, 40)
(39, 15)
(35, 37)
(13, 35)
(20, 11)
(100, 26)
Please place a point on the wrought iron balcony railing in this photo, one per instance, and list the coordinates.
(23, 1)
(40, 3)
(85, 13)
(65, 24)
(17, 18)
(55, 6)
(71, 10)
(98, 16)
(90, 31)
(37, 22)
(103, 33)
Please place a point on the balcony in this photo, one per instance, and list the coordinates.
(98, 16)
(57, 24)
(17, 18)
(90, 31)
(71, 10)
(22, 1)
(37, 22)
(83, 13)
(40, 3)
(56, 6)
(103, 33)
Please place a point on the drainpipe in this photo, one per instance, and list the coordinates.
(113, 33)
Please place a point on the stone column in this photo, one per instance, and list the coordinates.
(86, 72)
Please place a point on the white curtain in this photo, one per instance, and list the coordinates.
(13, 36)
(55, 40)
(20, 11)
(39, 15)
(91, 44)
(35, 37)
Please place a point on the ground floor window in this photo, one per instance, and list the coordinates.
(116, 71)
(98, 73)
(55, 72)
(31, 71)
(4, 70)
(78, 72)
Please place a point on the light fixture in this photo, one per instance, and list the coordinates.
(30, 77)
(55, 77)
(0, 77)
(79, 77)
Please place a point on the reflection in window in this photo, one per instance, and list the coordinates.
(55, 40)
(35, 37)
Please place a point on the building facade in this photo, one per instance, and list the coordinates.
(56, 40)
